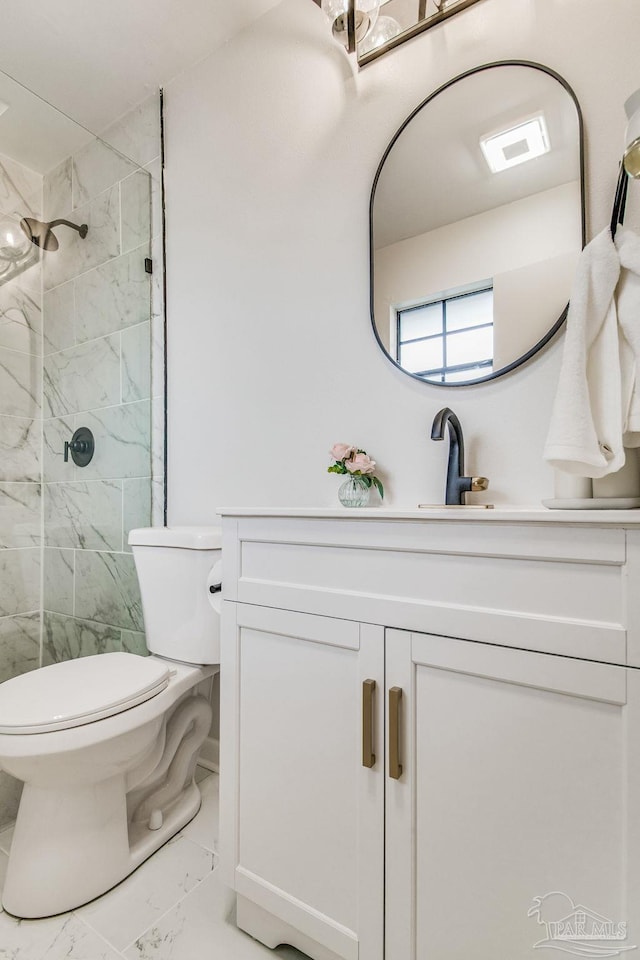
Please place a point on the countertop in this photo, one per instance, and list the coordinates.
(468, 514)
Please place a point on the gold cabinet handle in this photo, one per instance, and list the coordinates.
(368, 690)
(395, 698)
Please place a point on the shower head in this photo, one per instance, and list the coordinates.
(41, 234)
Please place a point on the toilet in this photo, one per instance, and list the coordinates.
(107, 745)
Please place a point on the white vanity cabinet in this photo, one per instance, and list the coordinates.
(503, 803)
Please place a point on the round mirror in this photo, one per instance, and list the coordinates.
(476, 224)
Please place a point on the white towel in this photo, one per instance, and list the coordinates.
(597, 406)
(628, 304)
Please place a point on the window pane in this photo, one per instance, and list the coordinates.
(423, 355)
(421, 321)
(471, 310)
(469, 346)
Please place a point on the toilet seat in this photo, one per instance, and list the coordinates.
(78, 692)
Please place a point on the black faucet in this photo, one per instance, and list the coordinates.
(457, 484)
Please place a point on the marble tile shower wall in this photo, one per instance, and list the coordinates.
(100, 314)
(20, 489)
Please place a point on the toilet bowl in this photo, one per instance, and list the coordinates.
(107, 745)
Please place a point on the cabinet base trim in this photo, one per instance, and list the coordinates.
(338, 942)
(271, 931)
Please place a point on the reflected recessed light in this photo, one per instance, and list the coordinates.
(516, 145)
(3, 107)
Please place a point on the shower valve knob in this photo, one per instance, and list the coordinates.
(81, 447)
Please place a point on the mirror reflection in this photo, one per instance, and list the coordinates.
(476, 225)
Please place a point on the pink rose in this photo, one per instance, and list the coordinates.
(361, 462)
(340, 451)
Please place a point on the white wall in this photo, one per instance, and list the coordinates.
(272, 144)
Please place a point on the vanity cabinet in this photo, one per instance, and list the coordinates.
(393, 790)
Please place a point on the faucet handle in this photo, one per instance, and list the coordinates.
(479, 483)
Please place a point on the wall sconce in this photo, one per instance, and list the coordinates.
(363, 30)
(632, 137)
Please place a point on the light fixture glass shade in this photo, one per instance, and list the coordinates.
(632, 136)
(14, 245)
(366, 14)
(385, 29)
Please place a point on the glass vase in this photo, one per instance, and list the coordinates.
(354, 492)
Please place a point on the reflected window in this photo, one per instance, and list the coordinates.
(447, 340)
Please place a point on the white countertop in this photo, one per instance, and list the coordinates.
(469, 514)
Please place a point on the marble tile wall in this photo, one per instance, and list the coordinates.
(20, 430)
(101, 315)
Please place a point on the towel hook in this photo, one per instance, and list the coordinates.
(620, 200)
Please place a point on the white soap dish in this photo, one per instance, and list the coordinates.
(593, 503)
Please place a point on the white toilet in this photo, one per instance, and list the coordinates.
(107, 745)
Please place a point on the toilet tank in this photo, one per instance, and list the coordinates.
(174, 567)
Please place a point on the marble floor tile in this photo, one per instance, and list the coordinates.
(202, 924)
(59, 938)
(125, 912)
(203, 829)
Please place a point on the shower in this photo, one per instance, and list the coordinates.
(41, 234)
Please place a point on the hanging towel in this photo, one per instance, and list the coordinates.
(597, 405)
(628, 304)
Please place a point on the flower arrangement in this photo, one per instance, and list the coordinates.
(357, 463)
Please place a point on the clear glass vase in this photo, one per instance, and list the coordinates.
(354, 492)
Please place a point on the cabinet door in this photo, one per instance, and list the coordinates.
(302, 817)
(514, 824)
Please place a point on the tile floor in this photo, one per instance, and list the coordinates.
(173, 907)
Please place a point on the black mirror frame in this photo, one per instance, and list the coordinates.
(563, 316)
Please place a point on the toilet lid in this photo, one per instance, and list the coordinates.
(76, 692)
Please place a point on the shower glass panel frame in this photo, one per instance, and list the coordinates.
(82, 332)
